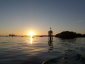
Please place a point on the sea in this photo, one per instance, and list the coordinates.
(27, 50)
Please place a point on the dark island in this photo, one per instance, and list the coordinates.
(69, 35)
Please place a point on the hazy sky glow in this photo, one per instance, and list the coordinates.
(22, 16)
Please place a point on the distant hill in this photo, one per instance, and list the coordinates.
(69, 35)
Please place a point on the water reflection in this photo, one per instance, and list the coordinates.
(68, 44)
(50, 45)
(68, 40)
(31, 40)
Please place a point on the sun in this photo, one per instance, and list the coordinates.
(31, 34)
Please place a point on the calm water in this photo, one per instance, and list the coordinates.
(24, 50)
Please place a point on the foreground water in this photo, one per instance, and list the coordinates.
(24, 50)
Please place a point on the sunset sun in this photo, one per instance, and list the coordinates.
(31, 34)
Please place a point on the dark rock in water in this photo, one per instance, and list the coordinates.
(69, 57)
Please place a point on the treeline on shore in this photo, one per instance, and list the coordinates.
(64, 35)
(69, 35)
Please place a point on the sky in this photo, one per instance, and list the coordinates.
(21, 16)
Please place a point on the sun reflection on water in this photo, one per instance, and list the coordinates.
(31, 40)
(28, 40)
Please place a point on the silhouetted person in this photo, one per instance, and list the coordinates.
(50, 39)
